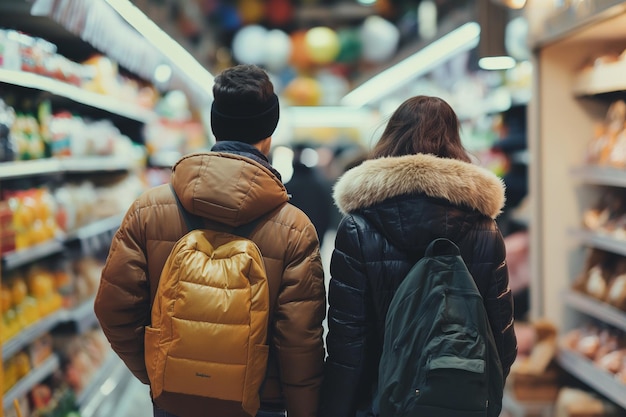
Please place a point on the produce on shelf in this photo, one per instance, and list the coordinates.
(34, 216)
(83, 356)
(14, 369)
(8, 147)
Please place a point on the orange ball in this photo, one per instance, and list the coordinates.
(300, 57)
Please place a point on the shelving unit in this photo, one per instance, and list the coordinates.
(567, 106)
(24, 385)
(82, 318)
(63, 90)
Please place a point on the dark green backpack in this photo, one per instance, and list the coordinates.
(439, 356)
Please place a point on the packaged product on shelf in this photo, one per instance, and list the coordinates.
(601, 146)
(9, 50)
(574, 402)
(8, 146)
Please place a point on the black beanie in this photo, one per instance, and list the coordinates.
(244, 121)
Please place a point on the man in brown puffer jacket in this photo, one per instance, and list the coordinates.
(232, 185)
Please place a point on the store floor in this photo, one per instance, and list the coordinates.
(136, 401)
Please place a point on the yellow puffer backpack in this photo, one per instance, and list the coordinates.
(208, 335)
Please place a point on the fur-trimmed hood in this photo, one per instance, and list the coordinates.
(461, 183)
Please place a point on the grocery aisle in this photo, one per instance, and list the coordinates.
(136, 401)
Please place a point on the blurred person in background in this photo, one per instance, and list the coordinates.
(309, 189)
(418, 184)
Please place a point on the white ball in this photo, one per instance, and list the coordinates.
(277, 50)
(379, 39)
(249, 45)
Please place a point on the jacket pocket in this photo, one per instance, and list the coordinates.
(153, 359)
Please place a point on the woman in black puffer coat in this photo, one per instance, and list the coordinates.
(418, 184)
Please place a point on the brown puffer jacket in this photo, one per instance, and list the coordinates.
(230, 190)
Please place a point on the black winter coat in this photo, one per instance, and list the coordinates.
(394, 207)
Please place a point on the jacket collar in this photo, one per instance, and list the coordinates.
(247, 150)
(459, 182)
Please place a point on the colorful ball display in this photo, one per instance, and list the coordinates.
(349, 45)
(322, 44)
(303, 91)
(277, 50)
(379, 39)
(300, 57)
(249, 45)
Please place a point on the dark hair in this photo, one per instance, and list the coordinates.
(422, 124)
(244, 108)
(243, 84)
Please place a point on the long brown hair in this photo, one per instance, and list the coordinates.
(422, 124)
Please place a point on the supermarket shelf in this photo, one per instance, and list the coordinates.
(595, 308)
(19, 169)
(583, 369)
(605, 78)
(24, 385)
(101, 375)
(28, 168)
(600, 241)
(106, 384)
(600, 175)
(83, 318)
(25, 256)
(97, 163)
(29, 334)
(76, 94)
(96, 228)
(22, 257)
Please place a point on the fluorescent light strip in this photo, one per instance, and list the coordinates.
(162, 41)
(461, 39)
(495, 63)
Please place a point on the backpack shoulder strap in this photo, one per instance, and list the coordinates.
(192, 221)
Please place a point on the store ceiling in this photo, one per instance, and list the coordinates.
(208, 28)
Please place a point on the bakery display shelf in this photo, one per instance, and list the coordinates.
(599, 241)
(111, 105)
(25, 256)
(45, 166)
(26, 384)
(96, 228)
(602, 381)
(600, 175)
(601, 79)
(595, 308)
(113, 380)
(30, 334)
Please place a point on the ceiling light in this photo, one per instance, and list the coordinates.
(494, 63)
(177, 55)
(462, 39)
